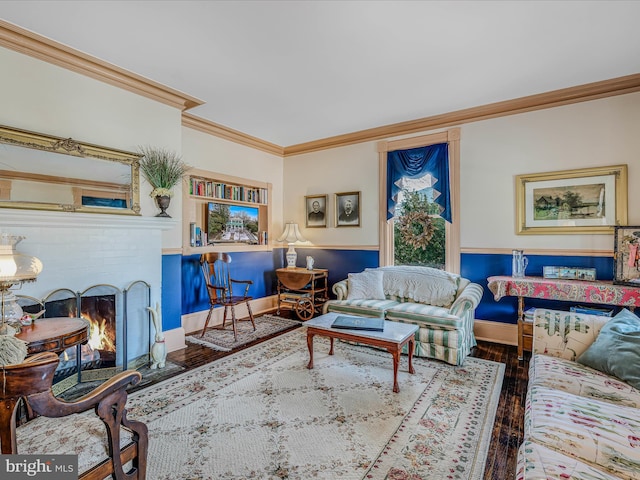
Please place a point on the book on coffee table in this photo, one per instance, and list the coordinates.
(358, 323)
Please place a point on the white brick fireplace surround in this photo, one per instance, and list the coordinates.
(79, 250)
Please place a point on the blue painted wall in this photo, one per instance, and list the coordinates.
(183, 289)
(171, 292)
(477, 267)
(260, 268)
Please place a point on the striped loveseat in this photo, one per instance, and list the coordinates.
(442, 304)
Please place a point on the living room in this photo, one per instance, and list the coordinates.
(53, 89)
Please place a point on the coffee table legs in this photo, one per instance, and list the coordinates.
(394, 350)
(310, 347)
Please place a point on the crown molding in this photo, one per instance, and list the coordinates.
(29, 43)
(226, 133)
(555, 98)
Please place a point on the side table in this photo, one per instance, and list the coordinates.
(582, 291)
(301, 290)
(56, 335)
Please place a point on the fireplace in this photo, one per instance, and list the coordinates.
(119, 335)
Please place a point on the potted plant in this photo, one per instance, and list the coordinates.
(163, 169)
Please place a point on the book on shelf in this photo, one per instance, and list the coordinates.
(240, 193)
(348, 322)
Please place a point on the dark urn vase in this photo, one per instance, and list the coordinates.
(163, 203)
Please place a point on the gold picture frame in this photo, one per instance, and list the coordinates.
(581, 201)
(316, 211)
(347, 207)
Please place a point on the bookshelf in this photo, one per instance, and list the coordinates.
(241, 201)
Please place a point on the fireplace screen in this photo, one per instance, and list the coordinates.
(113, 341)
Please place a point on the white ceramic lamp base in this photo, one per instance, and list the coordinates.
(292, 256)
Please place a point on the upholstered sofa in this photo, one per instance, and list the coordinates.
(442, 304)
(582, 422)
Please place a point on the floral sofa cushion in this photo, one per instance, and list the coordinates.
(604, 435)
(572, 377)
(536, 462)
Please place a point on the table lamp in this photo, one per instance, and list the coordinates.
(291, 235)
(15, 269)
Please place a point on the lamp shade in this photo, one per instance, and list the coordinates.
(291, 234)
(16, 267)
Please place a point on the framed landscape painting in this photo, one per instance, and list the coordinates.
(589, 200)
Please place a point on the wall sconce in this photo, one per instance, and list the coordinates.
(15, 269)
(291, 235)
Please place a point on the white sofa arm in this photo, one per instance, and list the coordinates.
(467, 300)
(564, 334)
(341, 289)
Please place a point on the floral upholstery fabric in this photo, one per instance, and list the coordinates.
(536, 462)
(572, 377)
(565, 334)
(82, 434)
(579, 422)
(594, 432)
(446, 333)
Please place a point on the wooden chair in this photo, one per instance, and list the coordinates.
(215, 268)
(32, 380)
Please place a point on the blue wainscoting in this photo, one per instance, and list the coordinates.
(260, 267)
(183, 289)
(477, 267)
(171, 292)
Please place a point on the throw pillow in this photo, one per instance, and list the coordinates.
(616, 350)
(366, 285)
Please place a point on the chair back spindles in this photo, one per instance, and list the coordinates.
(219, 284)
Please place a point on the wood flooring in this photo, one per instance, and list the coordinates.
(507, 430)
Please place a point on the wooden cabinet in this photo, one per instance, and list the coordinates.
(232, 213)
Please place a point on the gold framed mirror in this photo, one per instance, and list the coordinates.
(43, 172)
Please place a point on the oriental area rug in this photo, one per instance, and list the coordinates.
(223, 340)
(259, 413)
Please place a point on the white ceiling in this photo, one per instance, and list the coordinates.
(290, 72)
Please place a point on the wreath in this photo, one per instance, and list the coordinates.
(417, 229)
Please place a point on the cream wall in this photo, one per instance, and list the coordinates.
(492, 152)
(44, 98)
(206, 152)
(345, 169)
(590, 134)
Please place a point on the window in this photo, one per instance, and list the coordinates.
(452, 230)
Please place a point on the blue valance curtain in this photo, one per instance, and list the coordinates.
(415, 163)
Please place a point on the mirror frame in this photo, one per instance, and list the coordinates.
(68, 146)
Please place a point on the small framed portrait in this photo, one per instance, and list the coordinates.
(348, 209)
(316, 211)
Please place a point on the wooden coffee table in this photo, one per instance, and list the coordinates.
(393, 338)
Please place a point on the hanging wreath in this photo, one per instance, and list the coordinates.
(417, 229)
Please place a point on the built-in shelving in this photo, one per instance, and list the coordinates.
(205, 189)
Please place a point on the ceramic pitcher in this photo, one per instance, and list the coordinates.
(518, 263)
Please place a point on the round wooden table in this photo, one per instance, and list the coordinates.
(54, 334)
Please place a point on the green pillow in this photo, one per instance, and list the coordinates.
(616, 350)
